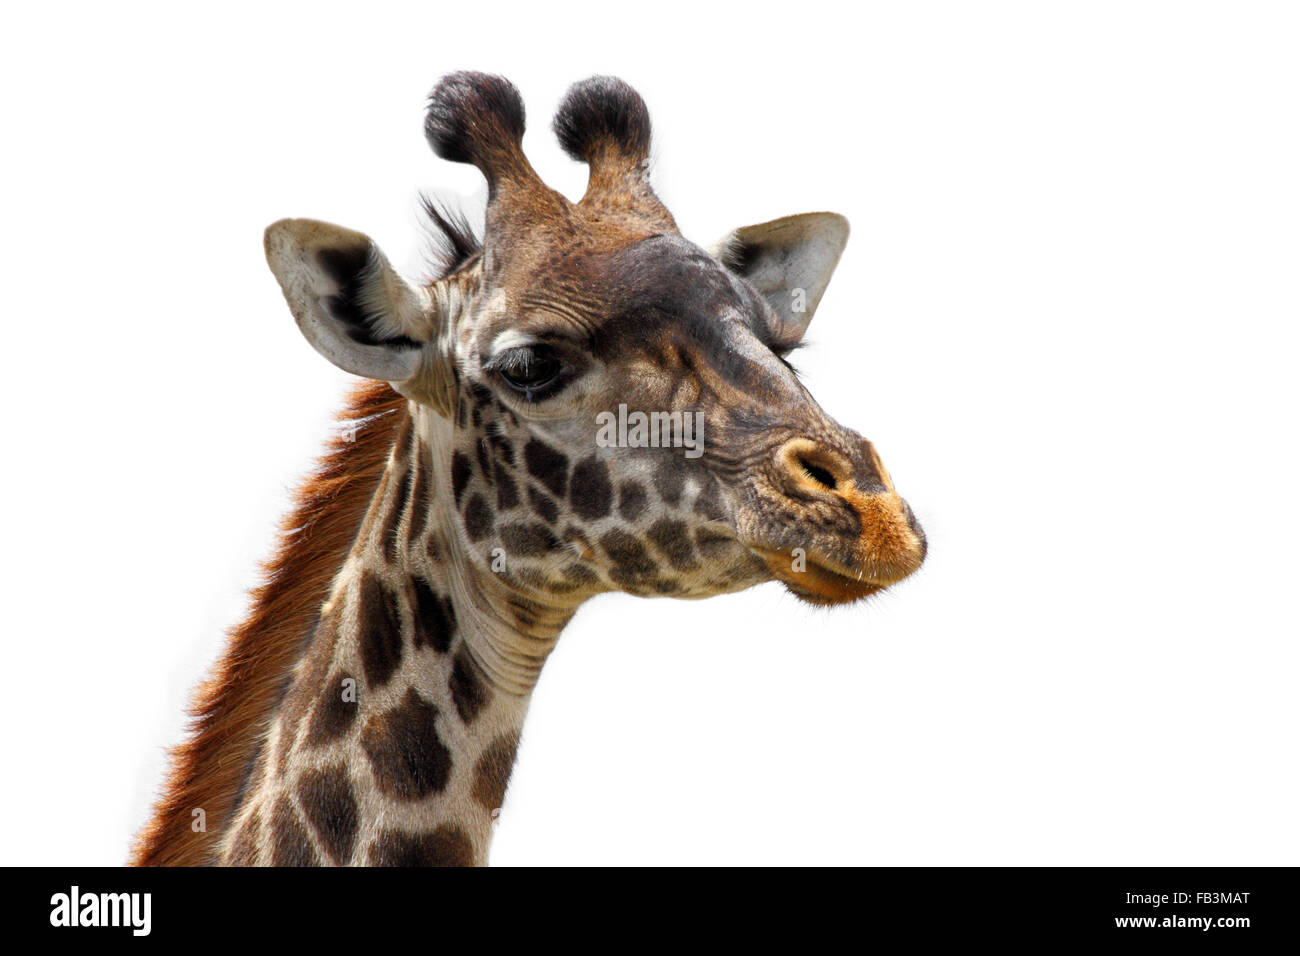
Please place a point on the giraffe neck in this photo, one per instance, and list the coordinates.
(395, 739)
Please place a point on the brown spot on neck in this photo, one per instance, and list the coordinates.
(492, 771)
(445, 846)
(406, 753)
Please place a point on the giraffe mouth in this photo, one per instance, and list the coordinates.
(813, 581)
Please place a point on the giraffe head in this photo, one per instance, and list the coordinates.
(616, 406)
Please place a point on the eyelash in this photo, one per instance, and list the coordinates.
(512, 363)
(783, 355)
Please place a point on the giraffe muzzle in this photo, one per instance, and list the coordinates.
(852, 534)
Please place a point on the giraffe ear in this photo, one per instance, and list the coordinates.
(789, 262)
(349, 303)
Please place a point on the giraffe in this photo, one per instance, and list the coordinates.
(369, 710)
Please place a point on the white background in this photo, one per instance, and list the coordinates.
(1067, 317)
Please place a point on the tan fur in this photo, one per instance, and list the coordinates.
(232, 709)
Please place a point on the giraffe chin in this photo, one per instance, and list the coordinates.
(816, 583)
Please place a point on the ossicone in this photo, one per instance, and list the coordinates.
(602, 115)
(477, 118)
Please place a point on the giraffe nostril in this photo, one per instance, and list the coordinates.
(818, 474)
(805, 464)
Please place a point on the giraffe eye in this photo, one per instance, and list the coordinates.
(534, 372)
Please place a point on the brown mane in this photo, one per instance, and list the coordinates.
(231, 712)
